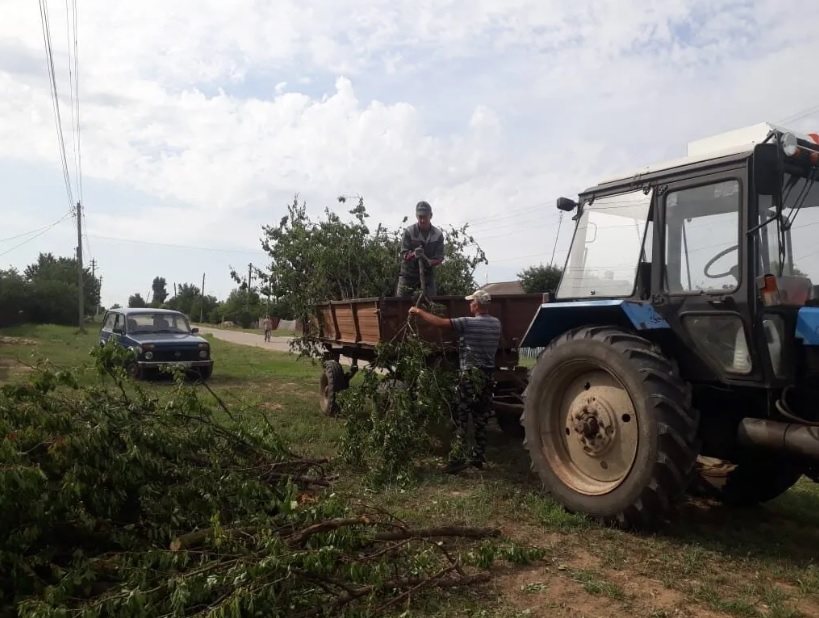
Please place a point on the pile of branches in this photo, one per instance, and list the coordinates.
(399, 413)
(125, 504)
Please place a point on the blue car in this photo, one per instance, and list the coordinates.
(158, 338)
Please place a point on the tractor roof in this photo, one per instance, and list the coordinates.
(731, 144)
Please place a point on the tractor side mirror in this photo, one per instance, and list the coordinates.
(767, 169)
(565, 204)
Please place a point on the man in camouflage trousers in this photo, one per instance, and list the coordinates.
(422, 247)
(479, 337)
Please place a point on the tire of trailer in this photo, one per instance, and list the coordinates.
(333, 381)
(610, 428)
(510, 425)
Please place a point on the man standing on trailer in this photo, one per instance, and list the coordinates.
(422, 247)
(479, 337)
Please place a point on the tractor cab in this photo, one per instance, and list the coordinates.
(718, 248)
(686, 322)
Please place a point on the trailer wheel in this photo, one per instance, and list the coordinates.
(759, 478)
(610, 428)
(510, 425)
(333, 381)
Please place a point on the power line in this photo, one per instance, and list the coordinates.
(55, 100)
(799, 115)
(75, 17)
(24, 234)
(43, 231)
(175, 246)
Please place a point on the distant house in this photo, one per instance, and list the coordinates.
(504, 287)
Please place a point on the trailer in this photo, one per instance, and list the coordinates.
(353, 329)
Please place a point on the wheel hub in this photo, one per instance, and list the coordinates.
(593, 424)
(591, 440)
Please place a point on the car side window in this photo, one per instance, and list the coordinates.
(119, 324)
(109, 322)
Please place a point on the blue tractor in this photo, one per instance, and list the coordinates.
(681, 348)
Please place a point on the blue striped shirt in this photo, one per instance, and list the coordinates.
(478, 341)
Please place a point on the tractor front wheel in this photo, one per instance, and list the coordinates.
(610, 428)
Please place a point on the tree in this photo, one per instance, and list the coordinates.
(136, 301)
(540, 279)
(206, 306)
(183, 300)
(312, 261)
(159, 291)
(242, 307)
(48, 269)
(16, 297)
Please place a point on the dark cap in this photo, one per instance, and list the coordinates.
(423, 208)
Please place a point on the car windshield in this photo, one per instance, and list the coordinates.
(158, 323)
(788, 246)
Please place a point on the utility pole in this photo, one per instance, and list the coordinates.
(79, 268)
(94, 278)
(247, 298)
(202, 304)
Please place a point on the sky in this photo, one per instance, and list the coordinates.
(199, 121)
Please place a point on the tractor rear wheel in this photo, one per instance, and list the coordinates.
(610, 428)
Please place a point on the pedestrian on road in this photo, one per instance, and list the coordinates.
(267, 324)
(422, 247)
(479, 336)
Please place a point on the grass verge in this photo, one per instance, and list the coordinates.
(711, 561)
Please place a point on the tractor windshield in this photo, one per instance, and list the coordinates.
(788, 244)
(607, 247)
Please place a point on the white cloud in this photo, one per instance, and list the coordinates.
(214, 110)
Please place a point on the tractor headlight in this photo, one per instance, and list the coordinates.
(789, 144)
(203, 353)
(149, 355)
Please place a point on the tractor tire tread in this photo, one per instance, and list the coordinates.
(668, 397)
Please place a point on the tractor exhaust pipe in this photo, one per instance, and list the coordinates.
(800, 440)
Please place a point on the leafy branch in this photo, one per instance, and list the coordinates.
(128, 504)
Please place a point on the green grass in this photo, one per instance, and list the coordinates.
(715, 561)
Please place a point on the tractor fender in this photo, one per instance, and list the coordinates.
(553, 319)
(807, 325)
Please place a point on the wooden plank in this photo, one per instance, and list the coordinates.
(354, 312)
(368, 323)
(336, 330)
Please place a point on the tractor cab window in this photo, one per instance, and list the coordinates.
(702, 238)
(788, 246)
(607, 247)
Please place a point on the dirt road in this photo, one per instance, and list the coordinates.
(276, 344)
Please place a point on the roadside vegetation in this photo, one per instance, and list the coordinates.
(521, 555)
